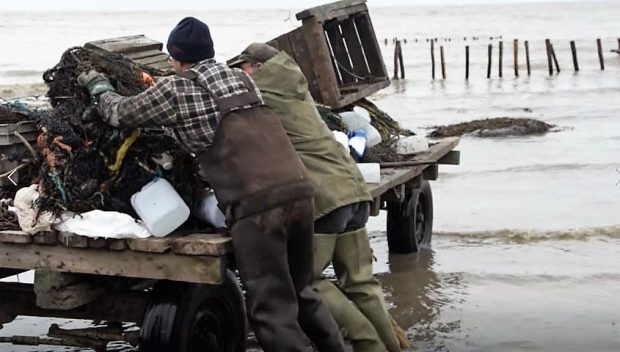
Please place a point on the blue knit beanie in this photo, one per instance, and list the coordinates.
(190, 41)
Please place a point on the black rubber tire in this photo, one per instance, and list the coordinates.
(410, 223)
(187, 317)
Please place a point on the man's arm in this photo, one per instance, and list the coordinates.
(155, 106)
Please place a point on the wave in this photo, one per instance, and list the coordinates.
(21, 73)
(531, 235)
(535, 168)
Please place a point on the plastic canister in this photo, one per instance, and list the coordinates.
(411, 145)
(354, 121)
(342, 138)
(370, 171)
(357, 141)
(373, 137)
(208, 211)
(160, 207)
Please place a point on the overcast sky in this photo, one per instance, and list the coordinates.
(125, 5)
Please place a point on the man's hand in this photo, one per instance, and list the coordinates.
(95, 82)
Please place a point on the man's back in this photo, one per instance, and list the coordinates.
(335, 177)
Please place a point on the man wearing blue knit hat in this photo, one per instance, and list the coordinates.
(218, 114)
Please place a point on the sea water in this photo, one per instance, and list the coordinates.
(526, 250)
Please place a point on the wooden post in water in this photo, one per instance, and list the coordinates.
(573, 50)
(443, 63)
(549, 63)
(490, 58)
(433, 58)
(395, 61)
(555, 59)
(527, 57)
(515, 50)
(400, 59)
(600, 53)
(501, 58)
(466, 62)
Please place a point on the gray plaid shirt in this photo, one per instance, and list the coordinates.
(178, 103)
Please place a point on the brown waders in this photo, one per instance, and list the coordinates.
(341, 238)
(262, 187)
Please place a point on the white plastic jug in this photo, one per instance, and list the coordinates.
(358, 142)
(354, 121)
(373, 137)
(160, 207)
(370, 171)
(411, 145)
(208, 211)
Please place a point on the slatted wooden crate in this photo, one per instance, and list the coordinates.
(337, 50)
(138, 48)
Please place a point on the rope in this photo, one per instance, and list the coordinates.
(122, 150)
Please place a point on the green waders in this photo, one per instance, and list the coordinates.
(366, 322)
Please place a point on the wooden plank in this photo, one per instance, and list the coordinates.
(126, 45)
(349, 98)
(69, 239)
(360, 66)
(144, 54)
(453, 157)
(20, 299)
(301, 55)
(47, 237)
(329, 11)
(20, 237)
(431, 173)
(152, 59)
(116, 244)
(152, 244)
(321, 59)
(203, 244)
(341, 56)
(161, 66)
(371, 47)
(97, 243)
(392, 177)
(198, 269)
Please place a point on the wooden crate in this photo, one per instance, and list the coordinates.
(143, 51)
(337, 51)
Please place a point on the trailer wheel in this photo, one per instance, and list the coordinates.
(191, 317)
(410, 223)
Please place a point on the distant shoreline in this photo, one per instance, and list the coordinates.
(12, 91)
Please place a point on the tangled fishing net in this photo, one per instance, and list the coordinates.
(85, 164)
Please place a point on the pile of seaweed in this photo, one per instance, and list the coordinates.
(85, 164)
(494, 127)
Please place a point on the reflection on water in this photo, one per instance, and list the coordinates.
(418, 295)
(489, 294)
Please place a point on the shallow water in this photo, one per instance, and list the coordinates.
(526, 252)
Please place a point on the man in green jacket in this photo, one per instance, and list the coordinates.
(342, 202)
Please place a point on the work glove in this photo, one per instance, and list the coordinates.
(95, 82)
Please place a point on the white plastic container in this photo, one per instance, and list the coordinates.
(411, 145)
(208, 211)
(370, 171)
(354, 121)
(160, 207)
(373, 137)
(358, 142)
(342, 138)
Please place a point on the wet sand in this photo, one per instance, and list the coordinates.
(12, 91)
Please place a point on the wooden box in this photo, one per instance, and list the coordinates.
(337, 51)
(141, 50)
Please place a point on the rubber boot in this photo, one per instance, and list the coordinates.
(353, 266)
(354, 326)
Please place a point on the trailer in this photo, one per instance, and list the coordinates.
(181, 292)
